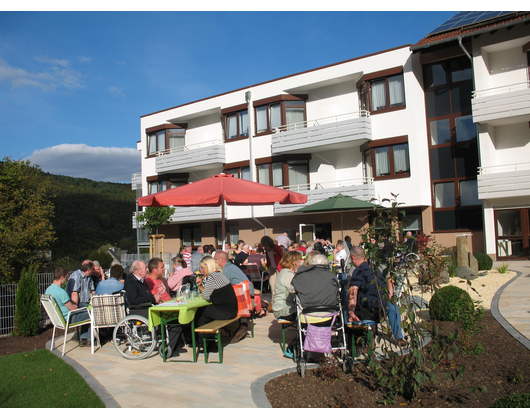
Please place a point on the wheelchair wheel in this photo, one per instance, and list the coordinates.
(169, 351)
(132, 338)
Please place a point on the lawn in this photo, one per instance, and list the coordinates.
(38, 379)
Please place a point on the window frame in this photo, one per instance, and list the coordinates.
(364, 88)
(369, 149)
(286, 161)
(282, 100)
(157, 130)
(238, 112)
(454, 148)
(165, 181)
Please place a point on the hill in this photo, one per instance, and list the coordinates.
(89, 214)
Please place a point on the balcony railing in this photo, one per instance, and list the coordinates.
(323, 134)
(136, 181)
(361, 188)
(504, 181)
(199, 156)
(502, 105)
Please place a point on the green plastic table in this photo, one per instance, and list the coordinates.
(169, 312)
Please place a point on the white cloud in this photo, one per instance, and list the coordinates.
(116, 91)
(111, 164)
(59, 74)
(84, 59)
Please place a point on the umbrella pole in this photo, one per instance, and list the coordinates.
(223, 231)
(341, 228)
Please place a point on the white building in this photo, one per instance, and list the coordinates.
(366, 127)
(495, 47)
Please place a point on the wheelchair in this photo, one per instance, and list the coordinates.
(131, 336)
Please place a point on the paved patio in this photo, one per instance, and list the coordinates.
(248, 365)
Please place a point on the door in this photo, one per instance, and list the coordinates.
(307, 232)
(512, 232)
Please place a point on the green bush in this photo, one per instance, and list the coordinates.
(444, 302)
(27, 304)
(484, 261)
(513, 401)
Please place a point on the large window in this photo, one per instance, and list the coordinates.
(191, 235)
(453, 150)
(382, 91)
(159, 183)
(242, 172)
(281, 171)
(164, 139)
(387, 158)
(282, 110)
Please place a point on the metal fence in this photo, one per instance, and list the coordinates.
(7, 302)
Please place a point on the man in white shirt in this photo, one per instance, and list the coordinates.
(283, 240)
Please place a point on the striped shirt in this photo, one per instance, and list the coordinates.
(214, 281)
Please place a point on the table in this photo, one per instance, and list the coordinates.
(183, 313)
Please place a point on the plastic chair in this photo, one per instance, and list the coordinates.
(107, 311)
(254, 273)
(245, 308)
(56, 317)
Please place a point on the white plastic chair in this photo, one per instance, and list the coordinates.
(56, 317)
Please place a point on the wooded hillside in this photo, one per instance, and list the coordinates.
(89, 214)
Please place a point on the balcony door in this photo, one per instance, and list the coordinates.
(512, 234)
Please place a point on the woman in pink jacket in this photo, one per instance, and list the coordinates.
(180, 270)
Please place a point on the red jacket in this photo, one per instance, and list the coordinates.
(277, 251)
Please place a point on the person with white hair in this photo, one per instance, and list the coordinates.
(315, 284)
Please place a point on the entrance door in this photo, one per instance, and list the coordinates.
(512, 231)
(307, 232)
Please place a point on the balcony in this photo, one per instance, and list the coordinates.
(198, 156)
(136, 181)
(504, 181)
(502, 105)
(362, 189)
(188, 215)
(323, 134)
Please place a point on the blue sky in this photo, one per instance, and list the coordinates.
(73, 85)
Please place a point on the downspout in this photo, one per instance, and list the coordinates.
(252, 165)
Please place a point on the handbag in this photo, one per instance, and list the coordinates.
(318, 339)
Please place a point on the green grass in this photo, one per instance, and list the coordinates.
(38, 379)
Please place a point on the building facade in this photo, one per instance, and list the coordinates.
(400, 121)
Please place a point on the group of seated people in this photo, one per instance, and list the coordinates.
(366, 293)
(310, 278)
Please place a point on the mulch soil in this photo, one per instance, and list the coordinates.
(503, 368)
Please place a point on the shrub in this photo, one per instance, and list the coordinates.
(503, 269)
(27, 304)
(445, 300)
(484, 261)
(513, 401)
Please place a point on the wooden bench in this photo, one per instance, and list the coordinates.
(214, 327)
(285, 324)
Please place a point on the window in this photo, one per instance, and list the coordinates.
(387, 158)
(242, 173)
(287, 111)
(382, 91)
(286, 170)
(453, 150)
(167, 138)
(236, 125)
(191, 235)
(159, 183)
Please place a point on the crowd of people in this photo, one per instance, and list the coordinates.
(302, 268)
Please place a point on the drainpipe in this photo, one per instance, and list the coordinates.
(252, 164)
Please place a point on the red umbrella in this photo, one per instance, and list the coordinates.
(221, 189)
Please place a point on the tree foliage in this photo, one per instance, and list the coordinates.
(154, 217)
(26, 209)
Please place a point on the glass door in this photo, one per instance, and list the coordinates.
(512, 233)
(307, 232)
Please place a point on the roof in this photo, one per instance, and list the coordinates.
(470, 29)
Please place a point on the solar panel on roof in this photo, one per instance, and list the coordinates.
(466, 18)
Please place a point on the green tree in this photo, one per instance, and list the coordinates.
(27, 306)
(154, 217)
(26, 230)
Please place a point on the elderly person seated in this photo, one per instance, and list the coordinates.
(315, 284)
(284, 304)
(180, 270)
